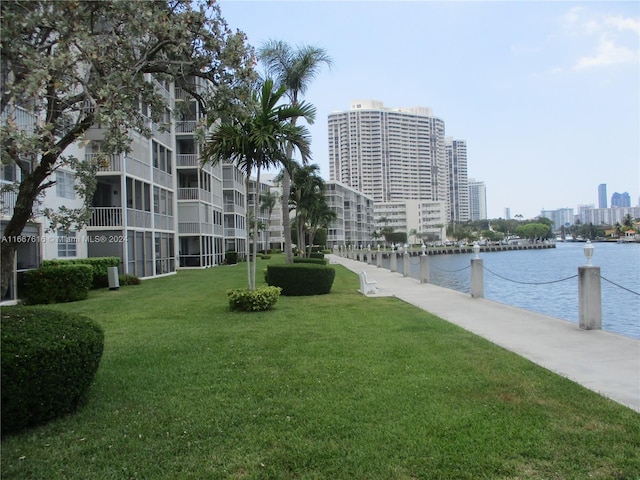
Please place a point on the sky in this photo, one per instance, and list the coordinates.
(545, 93)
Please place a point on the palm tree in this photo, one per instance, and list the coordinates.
(294, 69)
(259, 139)
(319, 215)
(305, 187)
(268, 202)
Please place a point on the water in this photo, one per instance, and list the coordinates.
(619, 263)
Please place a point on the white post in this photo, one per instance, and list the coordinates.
(477, 279)
(424, 268)
(406, 264)
(589, 293)
(394, 265)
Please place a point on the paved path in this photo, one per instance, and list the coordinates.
(604, 362)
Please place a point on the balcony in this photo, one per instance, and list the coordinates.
(188, 126)
(190, 228)
(187, 160)
(106, 163)
(194, 194)
(106, 217)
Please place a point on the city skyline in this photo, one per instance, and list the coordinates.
(543, 109)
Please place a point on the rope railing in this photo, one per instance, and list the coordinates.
(449, 271)
(529, 283)
(619, 286)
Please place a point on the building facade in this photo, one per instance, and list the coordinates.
(389, 154)
(602, 195)
(458, 180)
(354, 216)
(421, 220)
(477, 200)
(562, 217)
(620, 200)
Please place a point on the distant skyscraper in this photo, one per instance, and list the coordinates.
(389, 154)
(602, 195)
(507, 213)
(477, 200)
(458, 180)
(620, 200)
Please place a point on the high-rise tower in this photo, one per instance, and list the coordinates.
(602, 195)
(389, 154)
(458, 180)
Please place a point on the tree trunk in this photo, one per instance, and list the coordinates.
(7, 261)
(255, 229)
(247, 246)
(286, 221)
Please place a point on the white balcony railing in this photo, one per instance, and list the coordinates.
(187, 160)
(106, 217)
(195, 228)
(106, 163)
(188, 126)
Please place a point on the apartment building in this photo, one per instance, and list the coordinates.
(354, 216)
(458, 180)
(477, 200)
(419, 219)
(389, 154)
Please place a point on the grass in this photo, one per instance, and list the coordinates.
(336, 386)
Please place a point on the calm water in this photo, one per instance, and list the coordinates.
(619, 263)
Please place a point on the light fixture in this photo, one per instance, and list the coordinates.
(476, 250)
(588, 251)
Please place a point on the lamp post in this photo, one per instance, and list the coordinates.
(477, 279)
(424, 249)
(589, 293)
(476, 250)
(588, 251)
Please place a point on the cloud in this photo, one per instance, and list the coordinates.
(609, 39)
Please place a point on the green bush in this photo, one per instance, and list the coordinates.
(301, 278)
(64, 283)
(263, 298)
(128, 279)
(49, 360)
(265, 257)
(98, 264)
(317, 261)
(231, 258)
(316, 255)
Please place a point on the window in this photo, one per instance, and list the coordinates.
(64, 185)
(66, 243)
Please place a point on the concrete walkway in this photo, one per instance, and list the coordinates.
(604, 362)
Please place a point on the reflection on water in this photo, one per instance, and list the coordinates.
(548, 280)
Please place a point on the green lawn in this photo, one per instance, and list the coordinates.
(337, 386)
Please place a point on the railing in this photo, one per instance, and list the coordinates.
(106, 217)
(106, 163)
(163, 222)
(162, 133)
(162, 178)
(235, 233)
(195, 228)
(187, 160)
(188, 126)
(138, 218)
(194, 194)
(233, 208)
(136, 167)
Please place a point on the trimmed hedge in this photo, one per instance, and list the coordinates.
(231, 258)
(98, 264)
(317, 261)
(258, 300)
(49, 360)
(301, 278)
(316, 255)
(64, 283)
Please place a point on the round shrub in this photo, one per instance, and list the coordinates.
(301, 278)
(231, 258)
(317, 261)
(49, 360)
(258, 300)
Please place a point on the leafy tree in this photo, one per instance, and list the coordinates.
(534, 231)
(319, 216)
(294, 69)
(68, 65)
(259, 139)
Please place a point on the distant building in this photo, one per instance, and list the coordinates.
(477, 200)
(507, 213)
(389, 154)
(426, 218)
(620, 200)
(602, 195)
(606, 216)
(458, 180)
(560, 217)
